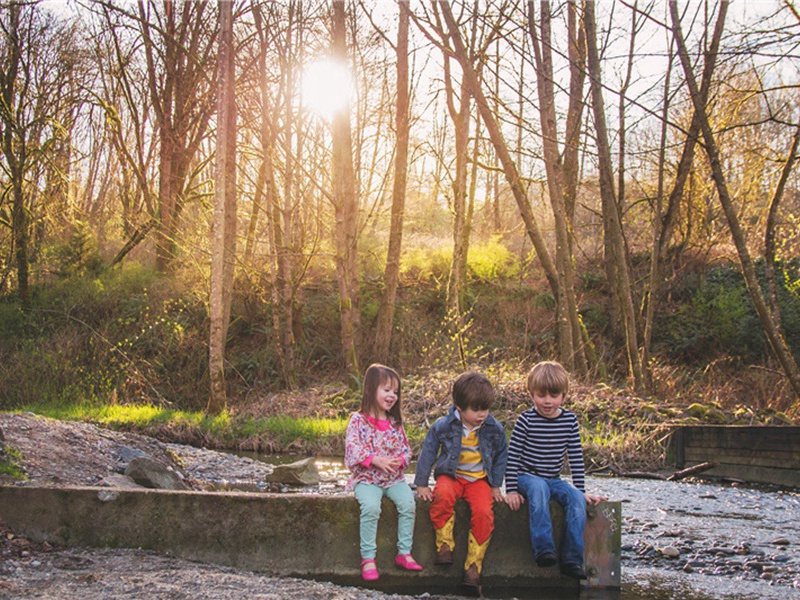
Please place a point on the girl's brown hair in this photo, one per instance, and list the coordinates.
(375, 376)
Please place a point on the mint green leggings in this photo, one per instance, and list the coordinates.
(369, 498)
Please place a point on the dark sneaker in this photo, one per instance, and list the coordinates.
(472, 580)
(573, 570)
(444, 556)
(546, 559)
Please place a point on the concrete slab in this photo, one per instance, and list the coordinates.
(298, 535)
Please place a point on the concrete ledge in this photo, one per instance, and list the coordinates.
(308, 536)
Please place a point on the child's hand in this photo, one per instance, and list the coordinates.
(424, 493)
(497, 495)
(387, 464)
(514, 500)
(594, 499)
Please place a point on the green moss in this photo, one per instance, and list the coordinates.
(697, 410)
(10, 460)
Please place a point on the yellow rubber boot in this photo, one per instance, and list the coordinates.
(475, 553)
(445, 542)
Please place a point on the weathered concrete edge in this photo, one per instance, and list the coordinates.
(297, 535)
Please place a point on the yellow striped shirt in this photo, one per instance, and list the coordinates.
(470, 463)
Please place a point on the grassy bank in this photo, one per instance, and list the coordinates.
(621, 431)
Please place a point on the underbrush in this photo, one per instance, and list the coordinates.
(128, 349)
(619, 431)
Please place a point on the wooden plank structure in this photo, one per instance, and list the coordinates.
(760, 454)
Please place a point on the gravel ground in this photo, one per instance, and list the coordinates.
(688, 539)
(56, 453)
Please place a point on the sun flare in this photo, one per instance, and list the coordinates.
(327, 86)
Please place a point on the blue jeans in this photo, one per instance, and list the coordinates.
(538, 491)
(369, 498)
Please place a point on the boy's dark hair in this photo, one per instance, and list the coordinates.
(473, 390)
(375, 376)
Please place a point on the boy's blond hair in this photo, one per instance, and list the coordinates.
(548, 376)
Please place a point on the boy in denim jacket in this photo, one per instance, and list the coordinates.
(469, 450)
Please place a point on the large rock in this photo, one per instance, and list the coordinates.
(126, 454)
(302, 472)
(154, 474)
(121, 482)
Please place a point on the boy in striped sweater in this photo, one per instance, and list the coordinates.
(541, 438)
(467, 451)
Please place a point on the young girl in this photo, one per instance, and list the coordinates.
(377, 453)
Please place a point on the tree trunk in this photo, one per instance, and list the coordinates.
(570, 346)
(611, 216)
(279, 221)
(776, 340)
(223, 246)
(769, 233)
(14, 151)
(516, 183)
(665, 219)
(138, 235)
(391, 276)
(346, 210)
(175, 50)
(457, 276)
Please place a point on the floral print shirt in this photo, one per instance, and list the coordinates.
(368, 437)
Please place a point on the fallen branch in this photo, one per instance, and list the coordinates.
(691, 471)
(636, 474)
(136, 238)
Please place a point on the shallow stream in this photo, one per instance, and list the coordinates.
(686, 540)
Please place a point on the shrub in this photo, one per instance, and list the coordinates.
(492, 260)
(720, 318)
(426, 263)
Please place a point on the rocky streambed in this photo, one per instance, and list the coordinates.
(687, 539)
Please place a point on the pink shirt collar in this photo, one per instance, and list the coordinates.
(379, 424)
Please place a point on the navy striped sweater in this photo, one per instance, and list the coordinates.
(538, 445)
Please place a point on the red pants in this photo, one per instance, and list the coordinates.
(478, 495)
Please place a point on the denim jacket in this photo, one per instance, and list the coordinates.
(442, 446)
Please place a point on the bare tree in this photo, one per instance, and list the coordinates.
(223, 232)
(666, 216)
(178, 42)
(621, 283)
(124, 98)
(267, 198)
(391, 276)
(776, 340)
(346, 208)
(772, 220)
(35, 75)
(562, 170)
(516, 183)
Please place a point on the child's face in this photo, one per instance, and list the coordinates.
(473, 418)
(548, 404)
(386, 397)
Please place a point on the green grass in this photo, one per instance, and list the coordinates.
(223, 430)
(9, 464)
(308, 429)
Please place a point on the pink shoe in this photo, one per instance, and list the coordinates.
(407, 562)
(369, 572)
